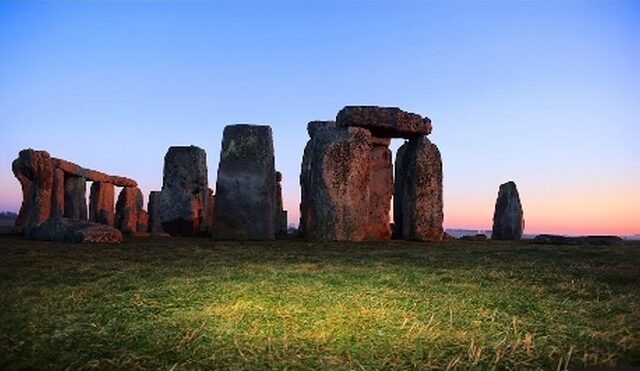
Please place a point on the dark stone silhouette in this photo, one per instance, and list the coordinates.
(78, 231)
(75, 202)
(245, 190)
(508, 221)
(185, 191)
(418, 202)
(384, 122)
(155, 225)
(280, 216)
(127, 207)
(551, 239)
(101, 202)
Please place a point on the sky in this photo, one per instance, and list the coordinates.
(546, 94)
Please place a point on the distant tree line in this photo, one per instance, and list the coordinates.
(8, 215)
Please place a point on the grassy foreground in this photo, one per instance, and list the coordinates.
(196, 303)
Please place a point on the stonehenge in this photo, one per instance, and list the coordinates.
(347, 176)
(508, 218)
(347, 179)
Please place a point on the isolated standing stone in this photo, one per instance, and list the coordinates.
(101, 202)
(185, 191)
(34, 172)
(335, 181)
(245, 190)
(155, 225)
(418, 207)
(280, 216)
(508, 222)
(75, 198)
(127, 209)
(384, 122)
(380, 191)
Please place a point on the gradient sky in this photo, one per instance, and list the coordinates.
(543, 93)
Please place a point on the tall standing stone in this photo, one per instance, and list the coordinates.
(418, 205)
(245, 190)
(127, 206)
(336, 189)
(508, 217)
(153, 206)
(280, 215)
(34, 171)
(101, 201)
(75, 197)
(185, 191)
(380, 190)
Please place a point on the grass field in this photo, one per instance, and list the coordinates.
(196, 303)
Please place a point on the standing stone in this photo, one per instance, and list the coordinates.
(57, 194)
(101, 202)
(380, 190)
(245, 190)
(127, 210)
(418, 207)
(143, 221)
(336, 186)
(155, 225)
(210, 211)
(384, 122)
(280, 215)
(508, 222)
(34, 171)
(75, 198)
(185, 191)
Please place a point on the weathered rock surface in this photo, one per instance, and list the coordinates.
(153, 206)
(384, 122)
(77, 231)
(508, 221)
(245, 190)
(314, 126)
(418, 206)
(335, 180)
(380, 192)
(101, 202)
(143, 221)
(127, 207)
(210, 210)
(75, 201)
(34, 172)
(92, 175)
(57, 194)
(551, 239)
(185, 191)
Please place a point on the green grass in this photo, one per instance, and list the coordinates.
(197, 304)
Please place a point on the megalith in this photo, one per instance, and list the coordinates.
(280, 216)
(101, 201)
(418, 207)
(57, 194)
(508, 217)
(380, 189)
(153, 207)
(335, 184)
(34, 171)
(127, 207)
(246, 184)
(75, 201)
(384, 122)
(185, 191)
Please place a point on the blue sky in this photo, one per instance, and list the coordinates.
(543, 93)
